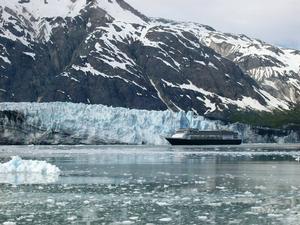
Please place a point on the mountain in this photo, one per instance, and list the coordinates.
(106, 52)
(277, 70)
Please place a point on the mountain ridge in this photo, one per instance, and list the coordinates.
(106, 52)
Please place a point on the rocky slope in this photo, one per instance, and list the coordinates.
(106, 52)
(276, 69)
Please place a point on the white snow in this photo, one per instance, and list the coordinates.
(167, 63)
(36, 11)
(5, 59)
(200, 62)
(159, 94)
(283, 62)
(250, 47)
(89, 69)
(31, 54)
(208, 104)
(270, 83)
(192, 87)
(113, 56)
(243, 103)
(294, 82)
(54, 8)
(272, 102)
(212, 65)
(131, 25)
(19, 171)
(118, 13)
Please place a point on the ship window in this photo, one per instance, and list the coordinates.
(178, 135)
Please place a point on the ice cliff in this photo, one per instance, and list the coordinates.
(69, 123)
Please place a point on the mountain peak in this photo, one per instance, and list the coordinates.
(118, 9)
(47, 8)
(106, 52)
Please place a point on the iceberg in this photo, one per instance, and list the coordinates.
(18, 171)
(70, 123)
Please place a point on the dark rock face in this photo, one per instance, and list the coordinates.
(95, 58)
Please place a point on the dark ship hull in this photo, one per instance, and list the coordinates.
(182, 141)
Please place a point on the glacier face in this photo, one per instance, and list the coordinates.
(69, 123)
(112, 125)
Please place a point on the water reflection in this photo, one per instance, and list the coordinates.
(28, 178)
(115, 185)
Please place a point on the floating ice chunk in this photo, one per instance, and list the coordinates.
(202, 218)
(18, 165)
(165, 219)
(50, 201)
(9, 223)
(127, 222)
(19, 171)
(297, 158)
(72, 218)
(261, 187)
(162, 203)
(134, 218)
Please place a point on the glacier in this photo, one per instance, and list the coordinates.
(18, 171)
(70, 123)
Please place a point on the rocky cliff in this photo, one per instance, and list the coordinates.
(106, 52)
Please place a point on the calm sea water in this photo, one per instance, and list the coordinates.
(251, 184)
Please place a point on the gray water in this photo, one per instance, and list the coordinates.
(250, 184)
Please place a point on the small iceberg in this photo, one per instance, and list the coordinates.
(18, 171)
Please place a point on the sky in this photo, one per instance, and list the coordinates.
(273, 21)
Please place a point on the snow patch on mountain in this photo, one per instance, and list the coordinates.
(242, 103)
(47, 8)
(114, 9)
(71, 8)
(263, 62)
(243, 46)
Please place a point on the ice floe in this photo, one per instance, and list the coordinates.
(19, 171)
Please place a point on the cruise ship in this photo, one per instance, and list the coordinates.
(198, 137)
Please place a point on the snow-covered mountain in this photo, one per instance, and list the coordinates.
(276, 69)
(106, 52)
